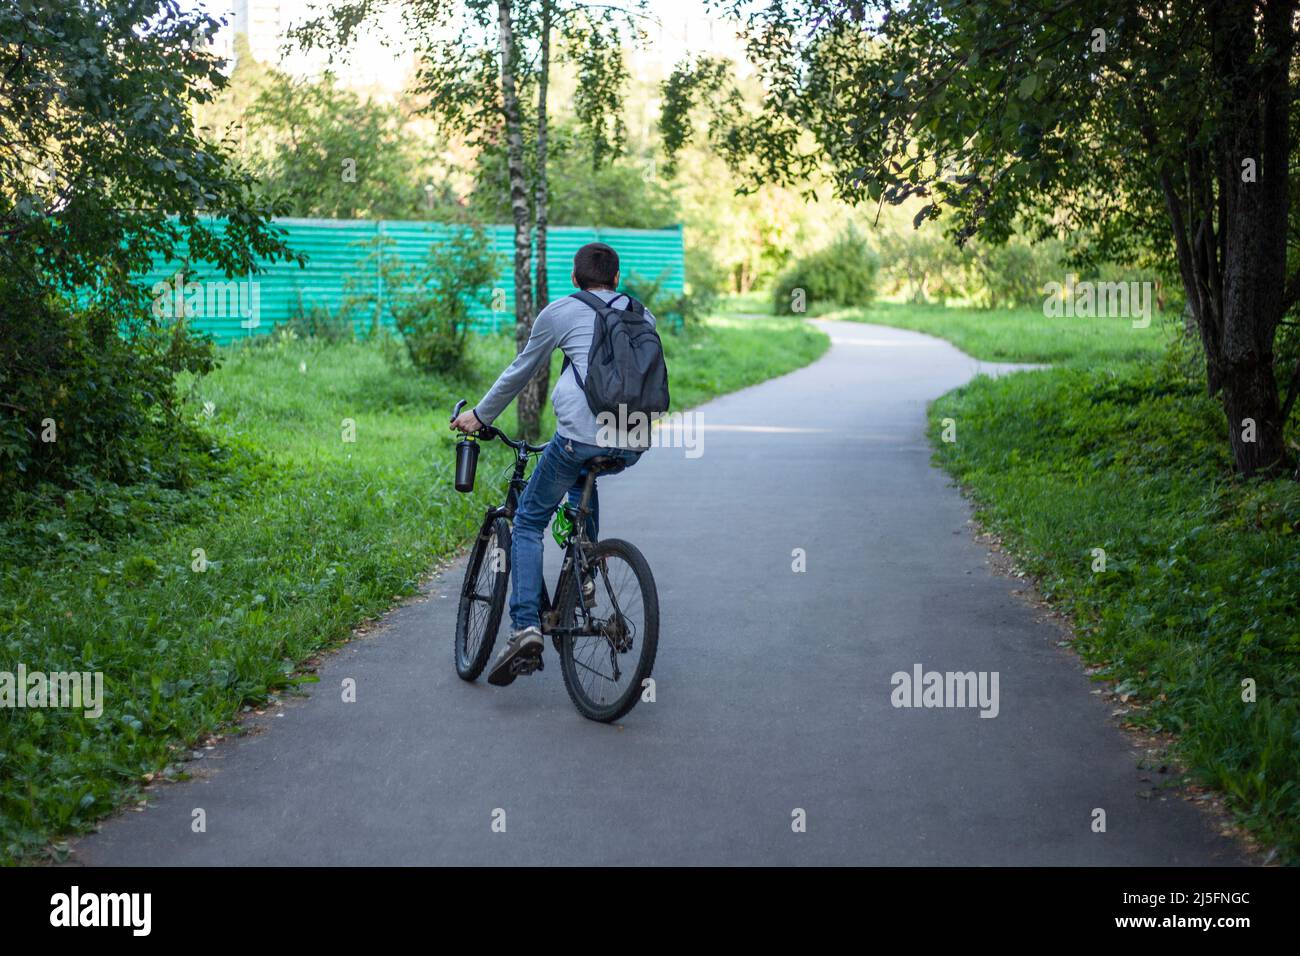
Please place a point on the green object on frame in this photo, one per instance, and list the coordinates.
(562, 526)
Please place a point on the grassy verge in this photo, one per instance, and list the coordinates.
(1118, 450)
(748, 303)
(303, 535)
(1023, 335)
(752, 304)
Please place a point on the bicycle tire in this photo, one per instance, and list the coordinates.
(646, 640)
(471, 649)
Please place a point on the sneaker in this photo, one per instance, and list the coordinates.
(522, 654)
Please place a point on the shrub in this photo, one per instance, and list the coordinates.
(429, 304)
(315, 321)
(1011, 274)
(87, 399)
(706, 280)
(922, 263)
(673, 310)
(840, 274)
(925, 264)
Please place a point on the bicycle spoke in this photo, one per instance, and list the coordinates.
(616, 626)
(593, 670)
(480, 600)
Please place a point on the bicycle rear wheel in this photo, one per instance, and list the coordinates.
(482, 599)
(611, 648)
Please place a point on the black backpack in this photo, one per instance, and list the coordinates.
(625, 366)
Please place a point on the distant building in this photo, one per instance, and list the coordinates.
(261, 22)
(266, 23)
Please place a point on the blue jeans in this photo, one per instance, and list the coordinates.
(560, 470)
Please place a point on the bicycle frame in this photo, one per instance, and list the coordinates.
(575, 553)
(576, 560)
(517, 484)
(582, 615)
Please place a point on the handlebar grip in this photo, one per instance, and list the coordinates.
(459, 405)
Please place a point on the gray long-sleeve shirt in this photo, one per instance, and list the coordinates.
(568, 325)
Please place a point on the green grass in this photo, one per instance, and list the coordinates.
(1118, 448)
(1023, 335)
(751, 304)
(1000, 335)
(748, 303)
(305, 536)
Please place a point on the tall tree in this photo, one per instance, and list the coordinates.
(534, 396)
(543, 142)
(478, 60)
(529, 408)
(101, 167)
(333, 154)
(1121, 127)
(101, 172)
(593, 40)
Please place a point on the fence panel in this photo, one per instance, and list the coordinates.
(340, 258)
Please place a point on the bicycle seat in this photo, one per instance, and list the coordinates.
(602, 464)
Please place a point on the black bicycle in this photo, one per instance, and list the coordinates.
(604, 619)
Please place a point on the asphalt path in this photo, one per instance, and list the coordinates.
(774, 737)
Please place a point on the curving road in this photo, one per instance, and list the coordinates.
(773, 687)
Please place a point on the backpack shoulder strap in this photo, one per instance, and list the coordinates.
(600, 306)
(586, 298)
(568, 364)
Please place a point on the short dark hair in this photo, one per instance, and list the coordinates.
(595, 264)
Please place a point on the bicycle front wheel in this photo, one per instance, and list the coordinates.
(482, 598)
(609, 653)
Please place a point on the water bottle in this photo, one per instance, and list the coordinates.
(466, 463)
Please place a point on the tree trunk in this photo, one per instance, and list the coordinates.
(529, 408)
(542, 380)
(1235, 274)
(1254, 267)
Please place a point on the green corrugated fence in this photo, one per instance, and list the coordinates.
(338, 251)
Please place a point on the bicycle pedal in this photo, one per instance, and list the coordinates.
(522, 666)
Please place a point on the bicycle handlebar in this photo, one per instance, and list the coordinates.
(488, 432)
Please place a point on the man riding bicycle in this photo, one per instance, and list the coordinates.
(566, 324)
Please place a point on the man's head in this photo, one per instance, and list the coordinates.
(595, 266)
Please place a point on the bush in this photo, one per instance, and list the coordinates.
(88, 401)
(429, 304)
(316, 321)
(706, 279)
(672, 310)
(1011, 274)
(841, 274)
(923, 263)
(926, 265)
